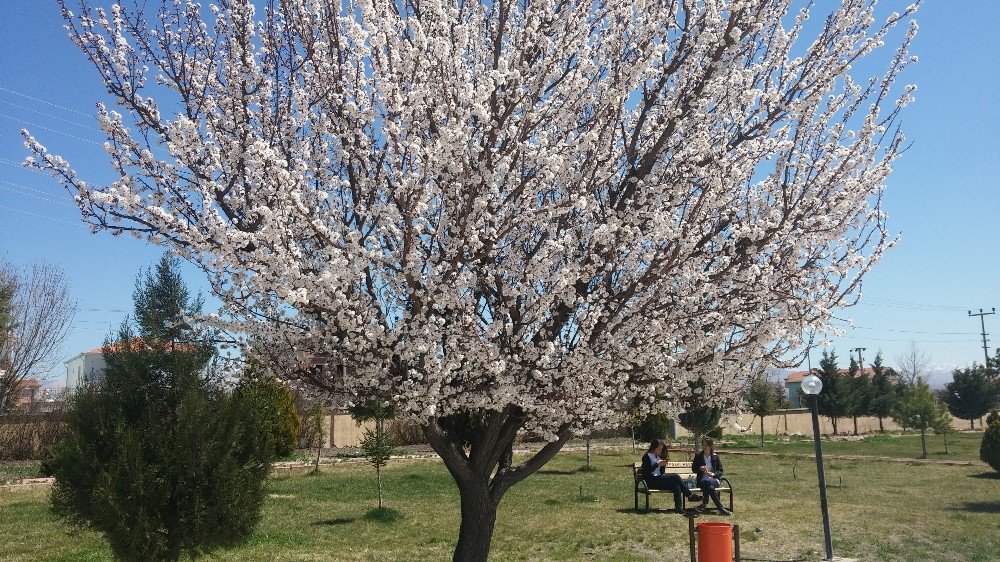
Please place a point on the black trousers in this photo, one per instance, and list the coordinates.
(672, 482)
(708, 486)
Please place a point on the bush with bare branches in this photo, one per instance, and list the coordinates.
(38, 315)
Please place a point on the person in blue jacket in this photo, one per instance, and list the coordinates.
(653, 463)
(708, 467)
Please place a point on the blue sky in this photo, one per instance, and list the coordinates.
(942, 198)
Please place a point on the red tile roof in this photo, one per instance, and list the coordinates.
(136, 343)
(797, 376)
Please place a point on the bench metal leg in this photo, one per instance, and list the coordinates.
(736, 537)
(691, 532)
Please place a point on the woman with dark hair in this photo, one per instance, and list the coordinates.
(653, 463)
(708, 466)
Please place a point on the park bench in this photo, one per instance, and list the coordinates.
(684, 470)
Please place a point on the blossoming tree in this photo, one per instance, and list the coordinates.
(506, 216)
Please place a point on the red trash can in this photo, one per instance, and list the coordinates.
(715, 542)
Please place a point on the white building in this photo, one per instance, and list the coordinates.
(84, 368)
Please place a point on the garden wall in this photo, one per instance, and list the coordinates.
(799, 421)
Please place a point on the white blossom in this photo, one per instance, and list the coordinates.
(579, 213)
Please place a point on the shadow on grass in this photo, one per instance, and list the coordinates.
(652, 511)
(383, 515)
(559, 472)
(979, 507)
(986, 475)
(333, 522)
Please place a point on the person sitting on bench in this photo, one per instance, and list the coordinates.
(708, 466)
(652, 473)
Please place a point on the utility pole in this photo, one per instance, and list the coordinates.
(861, 362)
(982, 323)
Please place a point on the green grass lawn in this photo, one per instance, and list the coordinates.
(879, 511)
(961, 446)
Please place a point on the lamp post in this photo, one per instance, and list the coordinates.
(811, 386)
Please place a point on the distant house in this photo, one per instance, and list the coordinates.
(26, 393)
(89, 366)
(793, 383)
(85, 368)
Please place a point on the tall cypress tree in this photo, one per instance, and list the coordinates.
(883, 391)
(835, 398)
(157, 458)
(860, 392)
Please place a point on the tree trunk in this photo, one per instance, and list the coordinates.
(319, 439)
(588, 453)
(833, 422)
(881, 428)
(378, 484)
(945, 435)
(482, 475)
(923, 443)
(972, 423)
(855, 425)
(762, 432)
(479, 515)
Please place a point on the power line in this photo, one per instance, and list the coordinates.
(849, 325)
(865, 338)
(43, 127)
(16, 210)
(931, 308)
(32, 98)
(21, 166)
(29, 192)
(50, 116)
(918, 304)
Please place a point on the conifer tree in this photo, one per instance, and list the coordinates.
(919, 409)
(834, 400)
(763, 398)
(971, 394)
(274, 407)
(157, 458)
(942, 424)
(989, 448)
(883, 391)
(376, 445)
(859, 395)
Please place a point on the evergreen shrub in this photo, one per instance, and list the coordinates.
(274, 409)
(989, 450)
